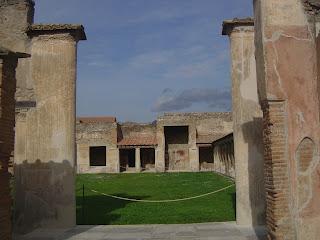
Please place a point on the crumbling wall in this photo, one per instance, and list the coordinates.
(215, 125)
(288, 85)
(131, 129)
(202, 126)
(96, 134)
(177, 148)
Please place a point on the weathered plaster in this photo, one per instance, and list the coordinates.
(247, 124)
(287, 53)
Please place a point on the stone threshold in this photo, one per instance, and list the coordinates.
(201, 231)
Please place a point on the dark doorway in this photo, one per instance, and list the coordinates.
(98, 156)
(177, 147)
(147, 158)
(127, 159)
(206, 158)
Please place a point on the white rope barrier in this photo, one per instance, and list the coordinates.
(162, 201)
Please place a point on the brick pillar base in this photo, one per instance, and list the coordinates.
(276, 171)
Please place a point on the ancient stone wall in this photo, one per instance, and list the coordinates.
(288, 83)
(202, 127)
(130, 129)
(177, 148)
(98, 133)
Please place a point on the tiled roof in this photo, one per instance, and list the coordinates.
(138, 141)
(223, 138)
(36, 28)
(108, 119)
(210, 138)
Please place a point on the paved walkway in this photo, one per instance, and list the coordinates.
(206, 231)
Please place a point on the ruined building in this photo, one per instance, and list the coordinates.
(175, 142)
(276, 114)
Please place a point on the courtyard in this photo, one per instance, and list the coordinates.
(162, 68)
(98, 209)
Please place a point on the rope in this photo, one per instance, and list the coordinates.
(162, 201)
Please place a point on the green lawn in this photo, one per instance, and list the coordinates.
(99, 209)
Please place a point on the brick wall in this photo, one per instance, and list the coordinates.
(276, 171)
(7, 114)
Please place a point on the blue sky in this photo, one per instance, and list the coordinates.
(145, 57)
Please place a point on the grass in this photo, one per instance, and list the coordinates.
(99, 209)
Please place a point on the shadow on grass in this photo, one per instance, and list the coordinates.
(98, 209)
(234, 206)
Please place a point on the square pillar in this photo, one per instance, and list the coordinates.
(247, 124)
(138, 160)
(113, 160)
(193, 149)
(8, 64)
(83, 157)
(288, 83)
(194, 159)
(160, 164)
(46, 179)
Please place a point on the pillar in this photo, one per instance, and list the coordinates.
(288, 84)
(113, 160)
(247, 124)
(8, 64)
(138, 160)
(160, 164)
(193, 149)
(45, 180)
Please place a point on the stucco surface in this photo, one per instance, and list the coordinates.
(247, 124)
(288, 53)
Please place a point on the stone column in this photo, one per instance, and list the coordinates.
(193, 149)
(46, 180)
(160, 150)
(288, 85)
(113, 160)
(8, 64)
(247, 123)
(138, 160)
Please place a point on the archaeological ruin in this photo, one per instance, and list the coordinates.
(270, 144)
(174, 142)
(44, 152)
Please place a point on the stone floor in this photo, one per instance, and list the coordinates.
(206, 231)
